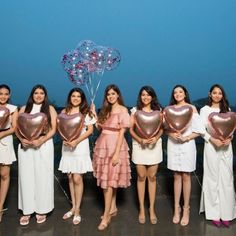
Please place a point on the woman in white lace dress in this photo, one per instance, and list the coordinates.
(36, 162)
(7, 153)
(76, 159)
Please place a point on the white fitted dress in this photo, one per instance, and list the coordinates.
(7, 153)
(218, 194)
(36, 175)
(182, 156)
(146, 154)
(77, 160)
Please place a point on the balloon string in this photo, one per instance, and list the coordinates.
(90, 96)
(96, 90)
(63, 190)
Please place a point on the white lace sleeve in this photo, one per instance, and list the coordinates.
(89, 120)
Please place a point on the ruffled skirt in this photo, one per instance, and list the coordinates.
(107, 175)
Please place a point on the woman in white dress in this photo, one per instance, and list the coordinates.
(76, 159)
(181, 152)
(7, 153)
(218, 194)
(146, 154)
(36, 162)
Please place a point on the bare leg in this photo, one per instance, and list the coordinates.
(78, 191)
(141, 182)
(113, 209)
(106, 215)
(186, 194)
(177, 193)
(5, 181)
(151, 173)
(72, 191)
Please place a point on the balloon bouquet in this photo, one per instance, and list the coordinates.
(87, 61)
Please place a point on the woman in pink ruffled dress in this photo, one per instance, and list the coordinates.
(111, 159)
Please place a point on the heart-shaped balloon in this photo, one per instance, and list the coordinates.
(31, 126)
(222, 125)
(70, 126)
(147, 124)
(178, 118)
(4, 117)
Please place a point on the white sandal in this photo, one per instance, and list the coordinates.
(67, 215)
(76, 220)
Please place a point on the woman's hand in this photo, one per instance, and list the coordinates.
(152, 140)
(26, 143)
(216, 142)
(37, 143)
(115, 159)
(71, 144)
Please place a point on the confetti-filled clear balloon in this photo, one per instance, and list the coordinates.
(99, 56)
(69, 60)
(84, 48)
(79, 75)
(113, 58)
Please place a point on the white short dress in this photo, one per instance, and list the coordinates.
(7, 153)
(146, 154)
(182, 156)
(218, 198)
(36, 176)
(77, 160)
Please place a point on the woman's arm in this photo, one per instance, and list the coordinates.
(82, 137)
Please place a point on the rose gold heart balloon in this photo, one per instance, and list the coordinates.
(4, 117)
(178, 118)
(70, 126)
(31, 126)
(222, 125)
(147, 124)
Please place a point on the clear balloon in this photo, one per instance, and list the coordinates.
(98, 57)
(79, 75)
(69, 60)
(84, 48)
(113, 58)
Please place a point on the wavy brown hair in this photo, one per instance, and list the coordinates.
(172, 98)
(224, 104)
(155, 105)
(45, 105)
(106, 107)
(84, 107)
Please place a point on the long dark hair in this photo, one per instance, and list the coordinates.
(45, 105)
(155, 105)
(84, 107)
(224, 104)
(4, 86)
(106, 107)
(172, 98)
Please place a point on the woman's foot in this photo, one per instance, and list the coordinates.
(40, 218)
(76, 219)
(185, 218)
(217, 223)
(153, 217)
(112, 213)
(176, 217)
(68, 215)
(104, 223)
(24, 220)
(226, 223)
(1, 213)
(141, 217)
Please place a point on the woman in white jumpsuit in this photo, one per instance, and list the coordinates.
(218, 195)
(36, 158)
